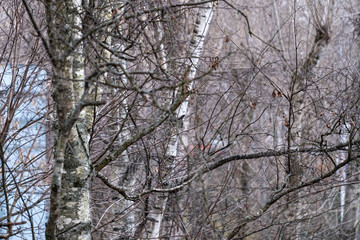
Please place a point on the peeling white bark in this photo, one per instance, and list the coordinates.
(196, 46)
(127, 225)
(201, 29)
(70, 201)
(158, 220)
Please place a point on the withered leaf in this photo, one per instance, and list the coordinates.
(114, 12)
(286, 123)
(274, 93)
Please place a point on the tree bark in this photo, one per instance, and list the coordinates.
(69, 201)
(200, 31)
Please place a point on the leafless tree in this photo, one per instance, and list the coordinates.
(184, 119)
(24, 115)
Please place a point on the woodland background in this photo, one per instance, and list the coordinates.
(179, 119)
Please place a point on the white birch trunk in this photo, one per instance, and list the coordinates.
(128, 224)
(70, 202)
(159, 201)
(201, 29)
(74, 221)
(349, 203)
(342, 173)
(196, 46)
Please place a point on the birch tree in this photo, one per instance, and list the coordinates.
(201, 28)
(69, 203)
(128, 135)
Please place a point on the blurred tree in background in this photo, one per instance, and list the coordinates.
(159, 119)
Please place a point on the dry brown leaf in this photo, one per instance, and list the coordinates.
(286, 123)
(274, 93)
